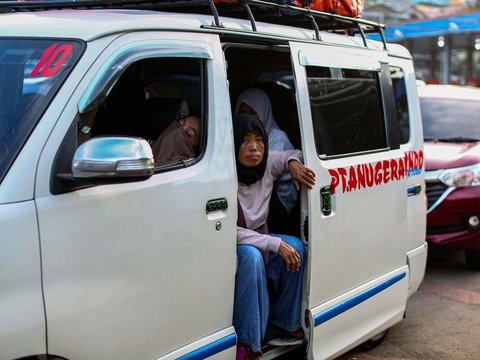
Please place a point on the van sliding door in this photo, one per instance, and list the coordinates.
(357, 279)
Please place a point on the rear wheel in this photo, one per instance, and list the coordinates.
(472, 258)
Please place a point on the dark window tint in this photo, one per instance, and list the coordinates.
(158, 99)
(401, 103)
(346, 111)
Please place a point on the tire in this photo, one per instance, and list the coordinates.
(472, 258)
(374, 341)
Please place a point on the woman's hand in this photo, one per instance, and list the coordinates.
(290, 256)
(301, 174)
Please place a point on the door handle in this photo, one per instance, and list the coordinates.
(326, 200)
(413, 190)
(216, 205)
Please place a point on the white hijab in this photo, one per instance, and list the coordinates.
(259, 101)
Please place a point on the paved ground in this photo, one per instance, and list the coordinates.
(443, 317)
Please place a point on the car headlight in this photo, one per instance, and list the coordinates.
(461, 177)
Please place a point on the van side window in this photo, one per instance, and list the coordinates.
(159, 100)
(401, 103)
(346, 111)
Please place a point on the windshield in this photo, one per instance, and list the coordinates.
(31, 72)
(454, 120)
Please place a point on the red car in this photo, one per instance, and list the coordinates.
(451, 126)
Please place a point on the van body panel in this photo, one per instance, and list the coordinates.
(149, 288)
(22, 317)
(373, 301)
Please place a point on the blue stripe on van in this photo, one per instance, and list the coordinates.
(211, 349)
(354, 301)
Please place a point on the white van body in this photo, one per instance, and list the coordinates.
(145, 269)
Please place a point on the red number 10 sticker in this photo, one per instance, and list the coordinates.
(52, 59)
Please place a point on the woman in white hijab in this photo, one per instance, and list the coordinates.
(256, 102)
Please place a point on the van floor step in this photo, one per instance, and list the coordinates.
(273, 352)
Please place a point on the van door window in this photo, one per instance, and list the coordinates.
(161, 100)
(31, 72)
(401, 103)
(346, 111)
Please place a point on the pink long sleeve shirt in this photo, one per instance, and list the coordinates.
(255, 198)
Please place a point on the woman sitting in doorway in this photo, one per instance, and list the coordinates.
(261, 255)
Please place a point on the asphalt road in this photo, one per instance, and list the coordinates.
(442, 319)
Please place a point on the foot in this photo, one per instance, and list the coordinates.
(290, 338)
(245, 353)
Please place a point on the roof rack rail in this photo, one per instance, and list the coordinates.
(253, 10)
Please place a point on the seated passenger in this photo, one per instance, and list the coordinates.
(179, 141)
(262, 255)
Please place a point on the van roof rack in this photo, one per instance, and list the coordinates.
(253, 10)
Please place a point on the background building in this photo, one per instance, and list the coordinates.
(443, 36)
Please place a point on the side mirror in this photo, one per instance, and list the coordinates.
(113, 157)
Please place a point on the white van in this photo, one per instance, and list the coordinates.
(106, 255)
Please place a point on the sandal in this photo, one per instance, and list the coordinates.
(245, 353)
(296, 337)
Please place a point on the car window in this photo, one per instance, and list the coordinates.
(31, 72)
(346, 111)
(450, 119)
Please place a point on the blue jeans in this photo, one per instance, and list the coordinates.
(253, 307)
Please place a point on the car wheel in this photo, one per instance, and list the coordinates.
(472, 257)
(374, 341)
